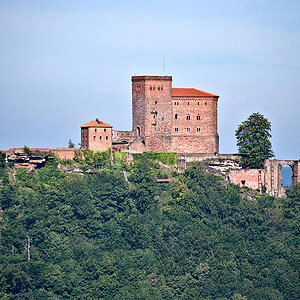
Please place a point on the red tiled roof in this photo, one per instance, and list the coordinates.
(190, 92)
(96, 124)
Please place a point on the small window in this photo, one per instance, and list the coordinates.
(95, 130)
(150, 88)
(154, 88)
(104, 130)
(198, 103)
(188, 129)
(176, 103)
(162, 88)
(176, 129)
(155, 102)
(198, 129)
(158, 88)
(176, 116)
(188, 117)
(243, 182)
(188, 103)
(94, 137)
(205, 103)
(107, 137)
(100, 137)
(198, 117)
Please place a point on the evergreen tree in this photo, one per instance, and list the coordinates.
(253, 141)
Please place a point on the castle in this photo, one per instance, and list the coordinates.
(165, 119)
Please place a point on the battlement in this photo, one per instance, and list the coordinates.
(147, 77)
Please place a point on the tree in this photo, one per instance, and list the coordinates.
(253, 141)
(71, 144)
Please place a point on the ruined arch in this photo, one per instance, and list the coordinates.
(273, 175)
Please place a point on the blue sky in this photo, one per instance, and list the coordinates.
(64, 63)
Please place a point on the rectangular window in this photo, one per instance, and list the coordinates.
(100, 137)
(107, 137)
(150, 88)
(104, 130)
(95, 130)
(158, 88)
(188, 129)
(176, 129)
(198, 129)
(162, 88)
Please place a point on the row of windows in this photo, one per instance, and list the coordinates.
(159, 88)
(100, 137)
(103, 130)
(188, 129)
(188, 117)
(188, 103)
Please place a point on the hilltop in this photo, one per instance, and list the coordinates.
(109, 236)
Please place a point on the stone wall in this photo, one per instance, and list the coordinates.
(62, 153)
(194, 125)
(96, 138)
(266, 180)
(252, 178)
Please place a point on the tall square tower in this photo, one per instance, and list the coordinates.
(152, 111)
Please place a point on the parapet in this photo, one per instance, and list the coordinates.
(147, 77)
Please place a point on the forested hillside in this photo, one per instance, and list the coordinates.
(97, 236)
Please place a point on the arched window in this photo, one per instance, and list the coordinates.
(176, 116)
(138, 131)
(198, 117)
(188, 117)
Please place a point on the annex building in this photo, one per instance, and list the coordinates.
(165, 119)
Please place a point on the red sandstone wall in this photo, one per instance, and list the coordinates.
(191, 135)
(152, 110)
(63, 153)
(96, 138)
(194, 144)
(118, 135)
(252, 178)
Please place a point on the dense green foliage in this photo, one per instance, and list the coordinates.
(93, 159)
(167, 158)
(253, 141)
(97, 236)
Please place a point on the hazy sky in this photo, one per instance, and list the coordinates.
(64, 63)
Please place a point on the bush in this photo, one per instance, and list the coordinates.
(167, 158)
(120, 159)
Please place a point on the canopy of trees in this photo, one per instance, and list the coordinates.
(253, 141)
(98, 236)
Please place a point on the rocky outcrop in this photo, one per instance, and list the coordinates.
(30, 160)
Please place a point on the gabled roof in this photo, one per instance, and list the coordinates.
(190, 92)
(96, 124)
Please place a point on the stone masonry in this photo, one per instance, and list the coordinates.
(166, 119)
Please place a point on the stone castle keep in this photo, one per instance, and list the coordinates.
(165, 119)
